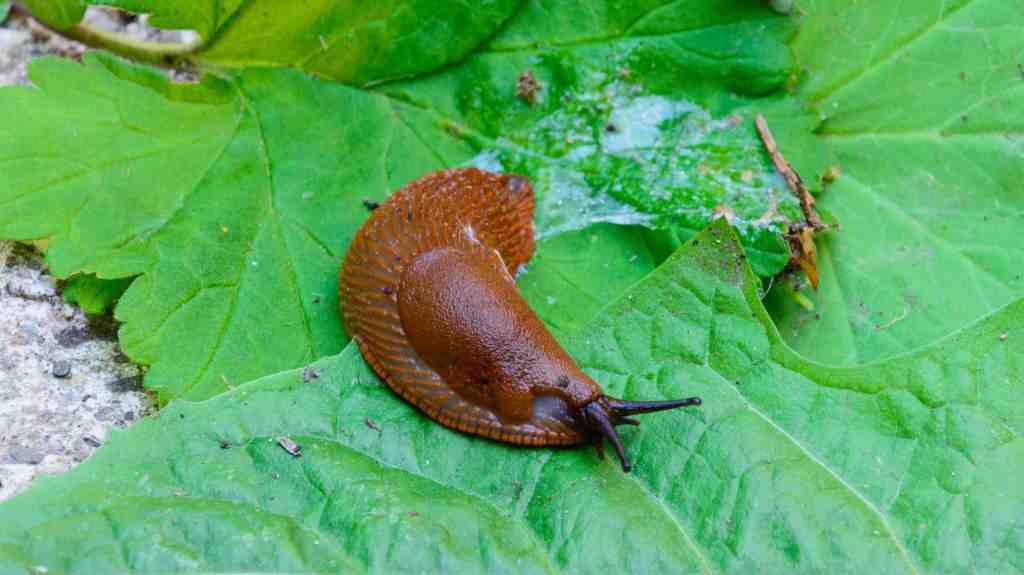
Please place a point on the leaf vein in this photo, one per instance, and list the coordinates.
(883, 519)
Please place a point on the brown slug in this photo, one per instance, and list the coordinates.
(427, 293)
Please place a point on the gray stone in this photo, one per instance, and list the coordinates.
(106, 413)
(25, 288)
(133, 383)
(72, 336)
(61, 369)
(22, 454)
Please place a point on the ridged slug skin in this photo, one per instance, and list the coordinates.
(427, 294)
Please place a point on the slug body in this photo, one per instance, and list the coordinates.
(428, 295)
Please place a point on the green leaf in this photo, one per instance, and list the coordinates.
(351, 42)
(560, 279)
(906, 466)
(355, 42)
(94, 295)
(922, 106)
(205, 17)
(234, 200)
(60, 14)
(5, 9)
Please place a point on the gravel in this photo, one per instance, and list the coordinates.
(64, 382)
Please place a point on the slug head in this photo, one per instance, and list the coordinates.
(603, 414)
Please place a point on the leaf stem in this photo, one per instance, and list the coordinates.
(167, 55)
(155, 53)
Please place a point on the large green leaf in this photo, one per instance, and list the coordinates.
(922, 106)
(353, 42)
(907, 466)
(60, 14)
(234, 200)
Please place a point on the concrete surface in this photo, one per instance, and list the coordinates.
(63, 380)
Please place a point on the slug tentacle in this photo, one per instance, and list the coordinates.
(596, 417)
(622, 408)
(602, 415)
(428, 294)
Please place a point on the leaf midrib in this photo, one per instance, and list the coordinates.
(247, 108)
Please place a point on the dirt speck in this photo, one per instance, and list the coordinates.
(528, 87)
(372, 424)
(310, 373)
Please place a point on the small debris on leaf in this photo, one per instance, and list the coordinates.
(802, 242)
(370, 204)
(1004, 337)
(372, 424)
(796, 184)
(723, 211)
(310, 373)
(800, 234)
(527, 87)
(223, 443)
(414, 514)
(294, 449)
(804, 302)
(453, 129)
(832, 174)
(92, 440)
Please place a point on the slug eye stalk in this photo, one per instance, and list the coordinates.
(604, 414)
